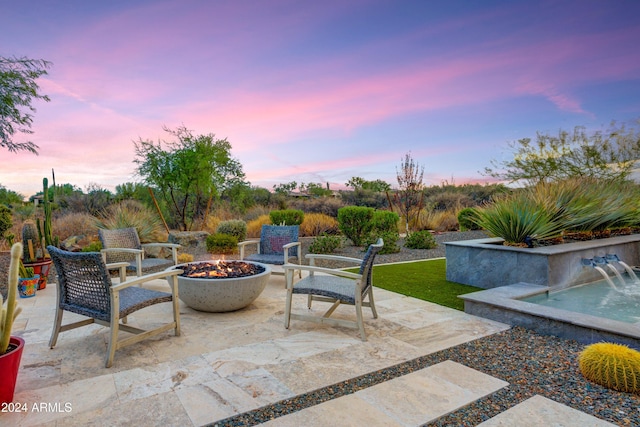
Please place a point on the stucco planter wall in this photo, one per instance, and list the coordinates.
(487, 264)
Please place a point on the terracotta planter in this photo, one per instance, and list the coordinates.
(41, 267)
(9, 365)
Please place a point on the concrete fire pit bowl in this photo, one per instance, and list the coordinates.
(221, 294)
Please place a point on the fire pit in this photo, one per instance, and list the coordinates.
(221, 286)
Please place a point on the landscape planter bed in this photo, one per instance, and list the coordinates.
(486, 263)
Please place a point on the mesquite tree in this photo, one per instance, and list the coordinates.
(189, 174)
(18, 89)
(609, 154)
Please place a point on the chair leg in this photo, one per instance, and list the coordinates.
(176, 306)
(372, 303)
(287, 308)
(360, 322)
(56, 328)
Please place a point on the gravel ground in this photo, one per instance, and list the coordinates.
(531, 364)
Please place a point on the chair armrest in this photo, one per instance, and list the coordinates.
(313, 257)
(290, 245)
(122, 267)
(314, 269)
(130, 250)
(146, 278)
(164, 245)
(248, 242)
(173, 246)
(241, 246)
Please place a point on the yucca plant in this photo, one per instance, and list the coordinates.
(133, 214)
(518, 217)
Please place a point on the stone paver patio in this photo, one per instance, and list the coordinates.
(229, 363)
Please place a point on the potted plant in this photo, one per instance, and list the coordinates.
(27, 282)
(36, 238)
(10, 346)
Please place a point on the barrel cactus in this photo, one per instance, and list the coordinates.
(615, 366)
(29, 233)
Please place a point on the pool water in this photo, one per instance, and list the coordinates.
(596, 299)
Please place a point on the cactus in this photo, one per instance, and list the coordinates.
(9, 309)
(44, 227)
(615, 366)
(29, 233)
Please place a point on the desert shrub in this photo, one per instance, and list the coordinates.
(255, 212)
(324, 205)
(254, 228)
(450, 200)
(211, 224)
(6, 220)
(95, 246)
(325, 244)
(420, 240)
(286, 217)
(184, 258)
(219, 243)
(385, 221)
(234, 227)
(130, 213)
(389, 239)
(466, 219)
(368, 198)
(315, 224)
(75, 224)
(385, 226)
(446, 221)
(356, 223)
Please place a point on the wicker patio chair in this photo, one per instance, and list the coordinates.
(278, 244)
(123, 245)
(334, 286)
(85, 288)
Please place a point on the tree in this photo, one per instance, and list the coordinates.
(609, 155)
(18, 89)
(189, 174)
(358, 183)
(10, 197)
(286, 188)
(316, 189)
(409, 196)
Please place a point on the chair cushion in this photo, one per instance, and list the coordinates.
(267, 259)
(151, 265)
(339, 288)
(135, 298)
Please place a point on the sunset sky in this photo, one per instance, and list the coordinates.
(312, 91)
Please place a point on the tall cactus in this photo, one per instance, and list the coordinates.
(44, 227)
(9, 309)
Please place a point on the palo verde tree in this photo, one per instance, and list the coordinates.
(18, 89)
(189, 174)
(604, 154)
(410, 194)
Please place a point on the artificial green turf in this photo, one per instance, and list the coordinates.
(425, 280)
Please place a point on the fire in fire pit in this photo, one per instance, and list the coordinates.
(221, 269)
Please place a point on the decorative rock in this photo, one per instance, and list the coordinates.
(190, 239)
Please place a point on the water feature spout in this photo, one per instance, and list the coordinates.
(596, 262)
(632, 274)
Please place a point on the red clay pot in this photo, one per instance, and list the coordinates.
(9, 365)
